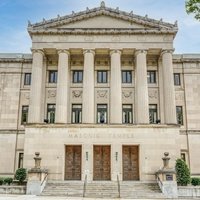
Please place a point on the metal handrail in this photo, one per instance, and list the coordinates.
(84, 186)
(118, 184)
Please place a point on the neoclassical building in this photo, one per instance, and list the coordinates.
(102, 95)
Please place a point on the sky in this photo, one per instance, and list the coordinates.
(14, 16)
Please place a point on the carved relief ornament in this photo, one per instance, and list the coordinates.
(102, 94)
(77, 93)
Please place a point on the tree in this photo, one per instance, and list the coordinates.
(193, 7)
(182, 172)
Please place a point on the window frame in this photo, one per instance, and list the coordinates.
(126, 110)
(24, 113)
(51, 121)
(154, 116)
(126, 76)
(177, 82)
(151, 80)
(78, 76)
(105, 111)
(20, 159)
(54, 78)
(27, 78)
(101, 80)
(181, 120)
(77, 111)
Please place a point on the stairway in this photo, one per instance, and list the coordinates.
(140, 190)
(64, 188)
(102, 189)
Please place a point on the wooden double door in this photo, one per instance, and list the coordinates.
(130, 163)
(101, 166)
(73, 162)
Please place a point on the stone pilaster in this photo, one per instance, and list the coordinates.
(141, 88)
(62, 87)
(168, 87)
(88, 87)
(115, 88)
(35, 105)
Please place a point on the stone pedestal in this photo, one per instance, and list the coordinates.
(37, 177)
(166, 178)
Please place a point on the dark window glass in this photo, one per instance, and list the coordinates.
(177, 79)
(27, 78)
(126, 77)
(152, 113)
(179, 115)
(24, 117)
(53, 76)
(76, 114)
(51, 108)
(183, 157)
(127, 114)
(101, 114)
(102, 76)
(151, 76)
(20, 160)
(77, 76)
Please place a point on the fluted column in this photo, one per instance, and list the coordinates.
(88, 87)
(168, 87)
(35, 105)
(115, 88)
(62, 87)
(141, 88)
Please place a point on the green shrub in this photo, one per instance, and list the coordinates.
(182, 172)
(195, 181)
(8, 180)
(1, 180)
(20, 175)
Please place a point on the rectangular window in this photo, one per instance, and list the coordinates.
(102, 76)
(76, 114)
(101, 113)
(126, 77)
(20, 160)
(78, 76)
(151, 76)
(177, 79)
(179, 115)
(183, 156)
(152, 113)
(27, 79)
(24, 115)
(51, 108)
(127, 116)
(53, 76)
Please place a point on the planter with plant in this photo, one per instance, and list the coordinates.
(8, 181)
(20, 175)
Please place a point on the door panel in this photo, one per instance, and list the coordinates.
(130, 163)
(73, 163)
(101, 170)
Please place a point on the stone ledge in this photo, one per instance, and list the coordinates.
(9, 189)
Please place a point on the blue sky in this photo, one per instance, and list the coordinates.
(14, 15)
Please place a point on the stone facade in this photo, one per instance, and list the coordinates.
(125, 63)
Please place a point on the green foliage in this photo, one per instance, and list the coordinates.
(20, 175)
(8, 180)
(1, 180)
(193, 7)
(182, 172)
(195, 181)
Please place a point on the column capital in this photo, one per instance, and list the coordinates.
(167, 51)
(88, 51)
(115, 51)
(38, 51)
(137, 51)
(63, 51)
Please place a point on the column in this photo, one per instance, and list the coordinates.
(141, 88)
(115, 88)
(35, 105)
(62, 87)
(88, 87)
(168, 87)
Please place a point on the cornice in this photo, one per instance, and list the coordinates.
(15, 60)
